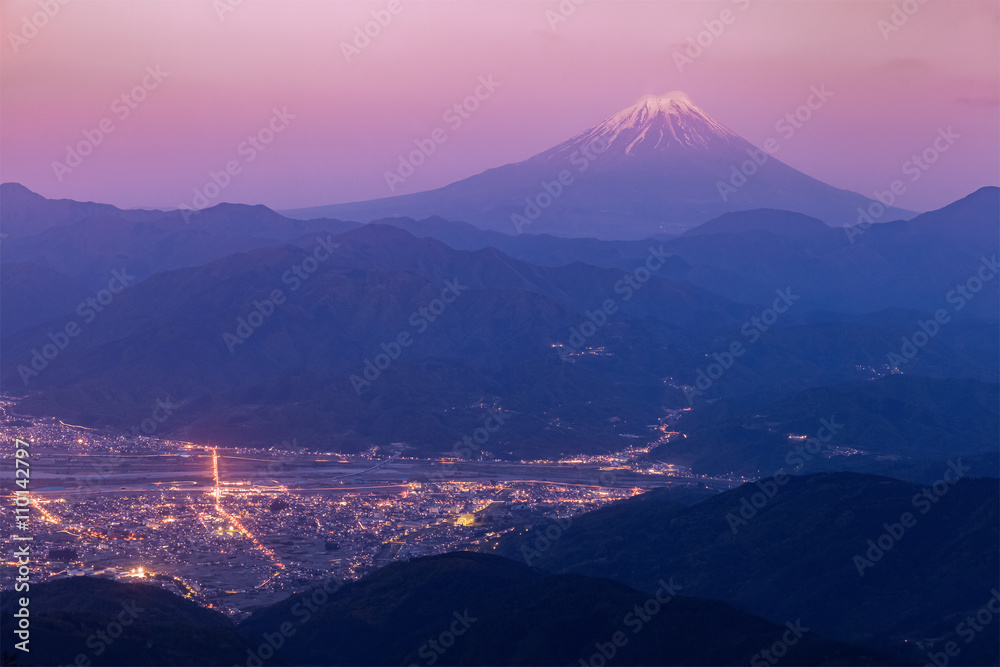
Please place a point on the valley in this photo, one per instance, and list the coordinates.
(236, 528)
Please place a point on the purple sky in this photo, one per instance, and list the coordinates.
(892, 91)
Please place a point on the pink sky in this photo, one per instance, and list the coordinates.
(352, 119)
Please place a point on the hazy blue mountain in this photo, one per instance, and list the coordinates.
(660, 166)
(296, 370)
(903, 418)
(903, 264)
(23, 212)
(33, 294)
(513, 336)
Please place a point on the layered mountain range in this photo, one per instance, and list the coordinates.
(512, 336)
(637, 287)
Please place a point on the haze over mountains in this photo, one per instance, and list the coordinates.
(416, 333)
(662, 165)
(512, 337)
(762, 343)
(727, 350)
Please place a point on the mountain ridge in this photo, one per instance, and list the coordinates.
(657, 166)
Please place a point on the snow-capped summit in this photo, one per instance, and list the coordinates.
(678, 97)
(660, 165)
(655, 124)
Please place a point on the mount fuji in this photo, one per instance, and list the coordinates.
(662, 165)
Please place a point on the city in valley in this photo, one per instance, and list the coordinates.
(234, 528)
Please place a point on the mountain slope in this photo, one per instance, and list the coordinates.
(33, 294)
(908, 264)
(905, 418)
(99, 238)
(76, 616)
(795, 553)
(503, 613)
(23, 212)
(305, 370)
(293, 374)
(454, 609)
(654, 167)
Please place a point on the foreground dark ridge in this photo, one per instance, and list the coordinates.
(455, 609)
